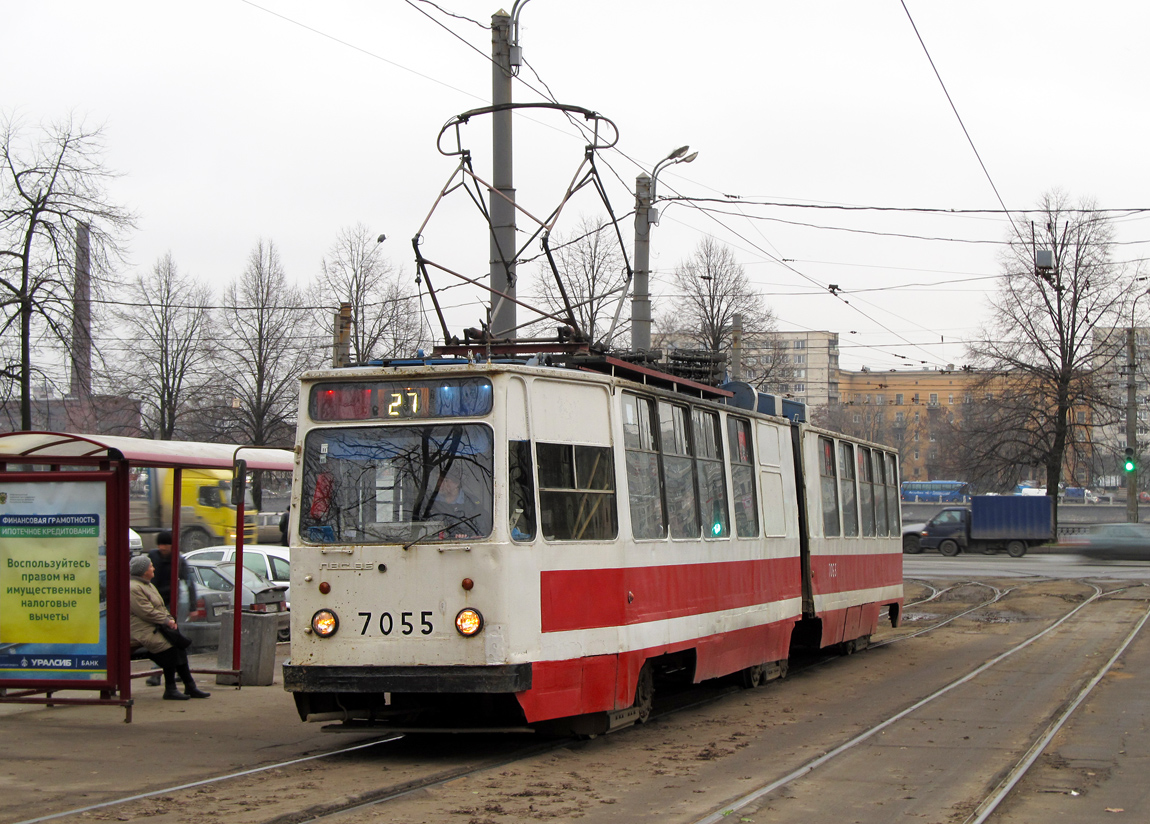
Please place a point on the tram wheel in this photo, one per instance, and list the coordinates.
(948, 548)
(645, 693)
(752, 677)
(1016, 549)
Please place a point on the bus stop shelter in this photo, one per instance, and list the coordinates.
(64, 522)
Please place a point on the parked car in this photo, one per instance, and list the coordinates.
(1112, 542)
(272, 562)
(215, 588)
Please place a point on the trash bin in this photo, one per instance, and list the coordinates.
(257, 649)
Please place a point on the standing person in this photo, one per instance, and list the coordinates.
(148, 615)
(161, 558)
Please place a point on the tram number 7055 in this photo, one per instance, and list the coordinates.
(387, 624)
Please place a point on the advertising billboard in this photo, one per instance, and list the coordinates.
(53, 581)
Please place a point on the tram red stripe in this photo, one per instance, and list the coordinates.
(843, 573)
(587, 598)
(607, 682)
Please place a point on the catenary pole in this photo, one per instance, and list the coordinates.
(502, 197)
(641, 300)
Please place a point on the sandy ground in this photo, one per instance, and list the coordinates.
(677, 768)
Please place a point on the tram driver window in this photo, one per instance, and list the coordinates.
(576, 492)
(520, 491)
(397, 484)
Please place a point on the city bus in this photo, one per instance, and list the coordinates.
(935, 492)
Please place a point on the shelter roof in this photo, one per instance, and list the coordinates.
(62, 446)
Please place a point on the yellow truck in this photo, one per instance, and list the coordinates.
(207, 516)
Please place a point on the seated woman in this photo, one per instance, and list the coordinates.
(148, 615)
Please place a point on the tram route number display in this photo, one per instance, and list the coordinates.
(403, 623)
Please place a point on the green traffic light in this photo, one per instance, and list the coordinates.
(1129, 466)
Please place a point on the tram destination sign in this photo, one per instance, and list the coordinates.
(399, 400)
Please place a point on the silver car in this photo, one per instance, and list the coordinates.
(215, 593)
(272, 562)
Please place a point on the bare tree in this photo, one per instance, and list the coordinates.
(712, 288)
(52, 181)
(264, 346)
(593, 270)
(386, 320)
(1039, 349)
(167, 320)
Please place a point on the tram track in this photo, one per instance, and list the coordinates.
(698, 697)
(990, 801)
(380, 797)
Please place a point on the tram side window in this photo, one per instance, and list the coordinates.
(576, 492)
(866, 492)
(828, 484)
(743, 478)
(678, 471)
(893, 507)
(711, 478)
(847, 486)
(648, 518)
(520, 491)
(880, 491)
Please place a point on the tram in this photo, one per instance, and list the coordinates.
(482, 544)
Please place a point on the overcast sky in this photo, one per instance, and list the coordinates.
(286, 120)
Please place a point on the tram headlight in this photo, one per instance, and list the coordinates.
(324, 623)
(469, 622)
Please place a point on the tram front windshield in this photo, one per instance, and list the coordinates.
(397, 484)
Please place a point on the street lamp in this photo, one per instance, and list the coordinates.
(645, 216)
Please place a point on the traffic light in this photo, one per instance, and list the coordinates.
(1128, 465)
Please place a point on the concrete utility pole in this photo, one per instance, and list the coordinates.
(81, 384)
(645, 216)
(737, 347)
(502, 197)
(641, 301)
(1131, 428)
(341, 339)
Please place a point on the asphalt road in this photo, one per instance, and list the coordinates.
(1039, 564)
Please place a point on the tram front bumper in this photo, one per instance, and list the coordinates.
(496, 678)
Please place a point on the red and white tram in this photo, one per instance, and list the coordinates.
(511, 545)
